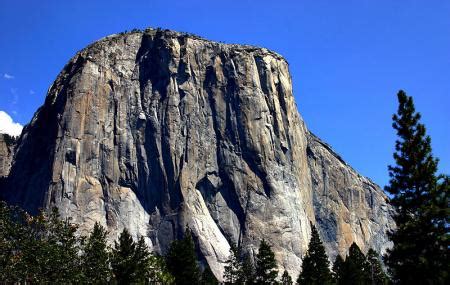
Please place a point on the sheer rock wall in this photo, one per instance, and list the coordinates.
(158, 130)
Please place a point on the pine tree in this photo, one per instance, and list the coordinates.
(420, 254)
(158, 272)
(233, 270)
(265, 271)
(10, 256)
(132, 261)
(48, 249)
(315, 266)
(59, 248)
(208, 277)
(142, 258)
(355, 269)
(122, 259)
(338, 270)
(248, 270)
(286, 279)
(95, 257)
(376, 273)
(182, 261)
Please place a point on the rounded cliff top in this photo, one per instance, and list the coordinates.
(168, 34)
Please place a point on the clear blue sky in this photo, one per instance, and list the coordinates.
(347, 58)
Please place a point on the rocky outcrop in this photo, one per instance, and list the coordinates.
(157, 130)
(348, 207)
(7, 143)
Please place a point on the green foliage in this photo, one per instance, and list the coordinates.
(234, 269)
(354, 270)
(239, 268)
(182, 261)
(95, 257)
(357, 266)
(45, 249)
(376, 272)
(9, 234)
(420, 253)
(39, 249)
(338, 270)
(132, 262)
(122, 263)
(248, 270)
(49, 250)
(286, 279)
(359, 270)
(208, 277)
(158, 272)
(142, 258)
(315, 266)
(265, 271)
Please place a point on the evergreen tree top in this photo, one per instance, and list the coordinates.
(315, 266)
(415, 170)
(421, 240)
(265, 271)
(182, 260)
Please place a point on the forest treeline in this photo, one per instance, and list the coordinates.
(47, 249)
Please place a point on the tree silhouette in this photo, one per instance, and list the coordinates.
(234, 269)
(338, 270)
(122, 260)
(286, 279)
(95, 257)
(208, 277)
(355, 268)
(420, 254)
(376, 273)
(265, 271)
(315, 266)
(182, 261)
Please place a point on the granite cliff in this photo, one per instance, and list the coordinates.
(7, 144)
(157, 130)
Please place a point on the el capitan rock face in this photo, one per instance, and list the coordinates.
(157, 130)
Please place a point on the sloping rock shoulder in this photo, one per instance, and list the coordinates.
(348, 207)
(157, 130)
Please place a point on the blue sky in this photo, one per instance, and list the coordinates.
(347, 58)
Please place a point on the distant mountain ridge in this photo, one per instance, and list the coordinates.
(155, 130)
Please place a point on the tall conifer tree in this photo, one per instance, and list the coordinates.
(356, 267)
(266, 267)
(248, 270)
(182, 261)
(208, 277)
(420, 254)
(122, 261)
(234, 268)
(354, 270)
(131, 261)
(315, 266)
(143, 259)
(376, 273)
(95, 257)
(338, 270)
